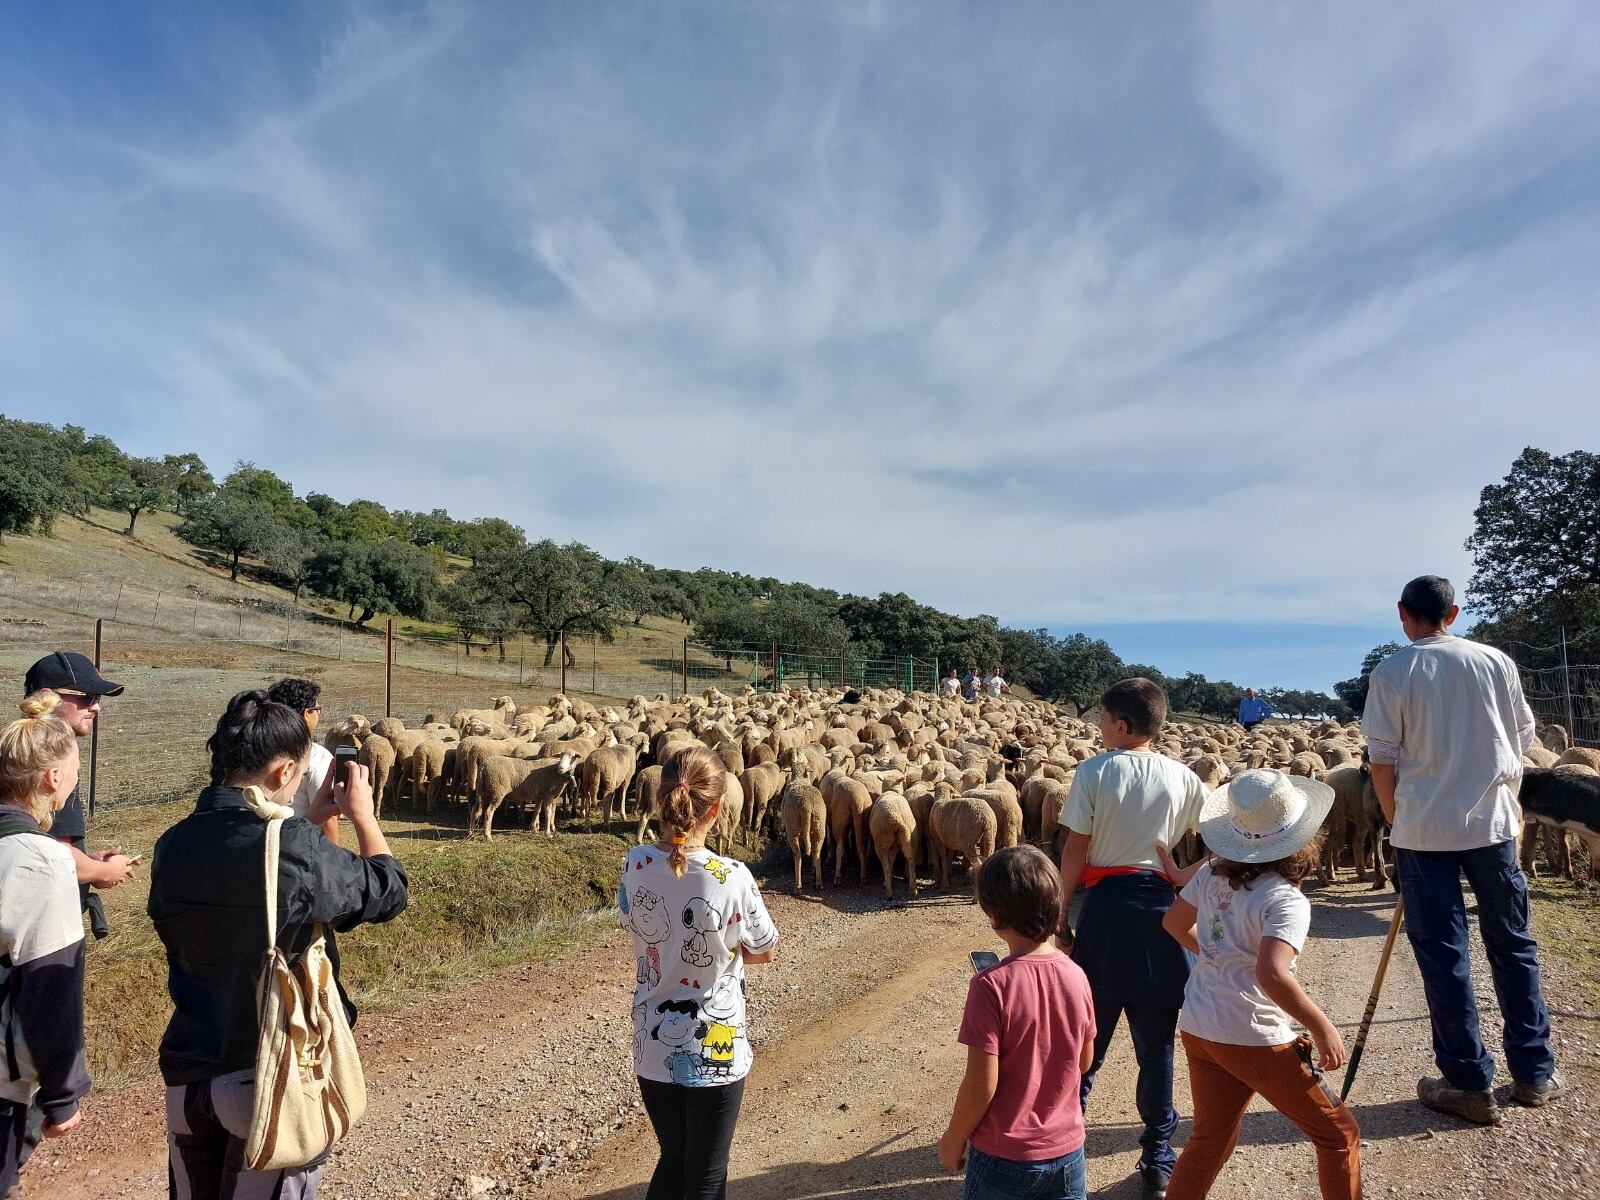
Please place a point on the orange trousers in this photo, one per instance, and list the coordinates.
(1223, 1078)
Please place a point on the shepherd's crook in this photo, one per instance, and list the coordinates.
(1372, 1000)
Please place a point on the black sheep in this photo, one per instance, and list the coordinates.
(1565, 799)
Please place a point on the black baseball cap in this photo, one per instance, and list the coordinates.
(74, 672)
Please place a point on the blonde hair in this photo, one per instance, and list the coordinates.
(30, 746)
(692, 780)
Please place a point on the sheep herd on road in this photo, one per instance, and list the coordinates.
(911, 781)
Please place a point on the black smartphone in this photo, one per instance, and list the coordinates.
(982, 960)
(344, 758)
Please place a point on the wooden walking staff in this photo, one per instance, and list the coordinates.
(1372, 1000)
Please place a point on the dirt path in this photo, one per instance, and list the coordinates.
(519, 1084)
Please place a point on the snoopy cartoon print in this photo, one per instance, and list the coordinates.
(721, 1012)
(679, 1025)
(648, 919)
(700, 919)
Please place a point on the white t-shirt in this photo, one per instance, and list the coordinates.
(317, 767)
(951, 686)
(1454, 709)
(1223, 1002)
(39, 915)
(688, 998)
(995, 684)
(1126, 801)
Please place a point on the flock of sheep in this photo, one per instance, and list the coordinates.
(915, 780)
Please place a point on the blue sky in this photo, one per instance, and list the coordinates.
(1197, 325)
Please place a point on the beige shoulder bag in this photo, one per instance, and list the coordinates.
(309, 1087)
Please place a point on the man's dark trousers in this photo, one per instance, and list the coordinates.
(1436, 925)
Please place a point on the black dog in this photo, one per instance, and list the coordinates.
(1567, 801)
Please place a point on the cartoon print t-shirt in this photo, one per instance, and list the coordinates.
(688, 996)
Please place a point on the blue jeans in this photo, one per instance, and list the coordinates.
(1153, 1029)
(1436, 925)
(991, 1178)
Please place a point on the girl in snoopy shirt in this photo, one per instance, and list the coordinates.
(696, 921)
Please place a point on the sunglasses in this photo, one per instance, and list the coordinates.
(77, 697)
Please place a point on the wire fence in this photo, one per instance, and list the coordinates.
(1562, 684)
(180, 655)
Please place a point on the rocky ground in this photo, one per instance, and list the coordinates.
(518, 1084)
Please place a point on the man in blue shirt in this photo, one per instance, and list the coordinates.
(1252, 709)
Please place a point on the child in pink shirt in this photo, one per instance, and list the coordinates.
(1029, 1032)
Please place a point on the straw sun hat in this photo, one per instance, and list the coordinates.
(1262, 816)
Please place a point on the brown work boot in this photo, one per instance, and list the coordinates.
(1534, 1095)
(1477, 1107)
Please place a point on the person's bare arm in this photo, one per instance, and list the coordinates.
(1179, 875)
(104, 870)
(754, 958)
(1178, 921)
(1383, 785)
(1275, 974)
(355, 802)
(973, 1098)
(1074, 857)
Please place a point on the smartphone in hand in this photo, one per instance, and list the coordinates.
(982, 960)
(344, 758)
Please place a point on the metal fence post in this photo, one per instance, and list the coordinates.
(388, 668)
(563, 661)
(520, 653)
(685, 667)
(194, 617)
(155, 619)
(1566, 686)
(594, 665)
(94, 733)
(117, 607)
(774, 666)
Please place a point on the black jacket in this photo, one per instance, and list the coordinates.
(208, 904)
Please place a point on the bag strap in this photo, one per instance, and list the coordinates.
(258, 802)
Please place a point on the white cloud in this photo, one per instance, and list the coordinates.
(879, 305)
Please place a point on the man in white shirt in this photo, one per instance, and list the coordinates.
(1446, 726)
(995, 684)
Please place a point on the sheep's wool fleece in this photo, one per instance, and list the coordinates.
(688, 998)
(1455, 712)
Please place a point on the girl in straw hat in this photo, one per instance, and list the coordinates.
(1245, 918)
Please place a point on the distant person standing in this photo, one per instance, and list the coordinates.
(970, 684)
(81, 687)
(951, 684)
(1253, 709)
(305, 698)
(1447, 726)
(995, 684)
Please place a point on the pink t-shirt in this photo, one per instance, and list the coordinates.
(1034, 1012)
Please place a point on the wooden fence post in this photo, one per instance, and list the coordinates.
(155, 619)
(94, 735)
(388, 668)
(117, 607)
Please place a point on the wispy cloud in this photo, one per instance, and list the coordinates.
(1065, 315)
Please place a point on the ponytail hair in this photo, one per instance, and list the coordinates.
(30, 746)
(692, 780)
(252, 733)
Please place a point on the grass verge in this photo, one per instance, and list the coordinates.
(1566, 928)
(474, 907)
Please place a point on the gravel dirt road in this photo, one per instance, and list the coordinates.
(518, 1084)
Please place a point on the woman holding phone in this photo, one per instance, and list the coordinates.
(207, 901)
